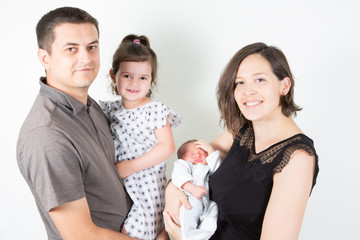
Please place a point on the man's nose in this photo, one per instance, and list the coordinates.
(84, 55)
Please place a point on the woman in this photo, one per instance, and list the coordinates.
(270, 166)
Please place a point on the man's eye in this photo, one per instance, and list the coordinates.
(72, 49)
(93, 47)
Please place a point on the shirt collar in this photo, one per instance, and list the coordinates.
(64, 99)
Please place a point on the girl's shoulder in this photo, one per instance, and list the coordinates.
(110, 105)
(159, 112)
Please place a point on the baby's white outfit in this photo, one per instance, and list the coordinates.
(133, 133)
(199, 222)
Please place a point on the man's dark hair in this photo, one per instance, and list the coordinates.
(45, 27)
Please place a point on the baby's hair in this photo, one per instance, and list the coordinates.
(134, 48)
(181, 150)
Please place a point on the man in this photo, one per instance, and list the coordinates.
(65, 150)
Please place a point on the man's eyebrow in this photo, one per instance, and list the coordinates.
(70, 44)
(77, 44)
(94, 42)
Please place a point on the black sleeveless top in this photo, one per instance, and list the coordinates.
(242, 185)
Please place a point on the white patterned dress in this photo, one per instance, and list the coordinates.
(133, 132)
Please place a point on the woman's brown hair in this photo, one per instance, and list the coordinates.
(230, 113)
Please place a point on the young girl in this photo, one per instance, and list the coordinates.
(142, 134)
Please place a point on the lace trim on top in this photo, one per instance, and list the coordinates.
(268, 155)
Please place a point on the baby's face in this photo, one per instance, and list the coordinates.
(194, 155)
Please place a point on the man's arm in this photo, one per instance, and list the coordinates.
(73, 221)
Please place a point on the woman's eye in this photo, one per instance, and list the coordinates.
(259, 80)
(238, 83)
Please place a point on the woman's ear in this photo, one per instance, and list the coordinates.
(44, 58)
(285, 86)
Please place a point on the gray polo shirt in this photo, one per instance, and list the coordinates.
(65, 152)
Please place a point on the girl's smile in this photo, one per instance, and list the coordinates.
(133, 83)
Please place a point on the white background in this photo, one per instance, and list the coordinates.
(194, 40)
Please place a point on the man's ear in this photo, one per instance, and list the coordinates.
(44, 58)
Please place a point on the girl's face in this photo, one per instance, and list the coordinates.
(257, 89)
(133, 83)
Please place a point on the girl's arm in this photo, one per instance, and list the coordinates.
(159, 153)
(223, 143)
(289, 196)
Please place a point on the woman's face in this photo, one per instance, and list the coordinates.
(257, 89)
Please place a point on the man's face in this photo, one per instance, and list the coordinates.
(74, 61)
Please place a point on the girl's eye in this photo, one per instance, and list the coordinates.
(126, 76)
(143, 78)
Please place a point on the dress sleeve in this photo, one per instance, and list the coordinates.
(159, 113)
(290, 150)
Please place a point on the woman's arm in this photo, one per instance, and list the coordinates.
(223, 143)
(289, 196)
(159, 153)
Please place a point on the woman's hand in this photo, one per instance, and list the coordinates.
(171, 227)
(174, 198)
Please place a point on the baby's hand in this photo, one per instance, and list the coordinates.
(204, 146)
(198, 191)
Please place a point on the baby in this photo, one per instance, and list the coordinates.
(197, 160)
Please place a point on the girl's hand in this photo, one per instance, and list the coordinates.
(171, 227)
(124, 168)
